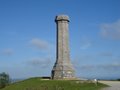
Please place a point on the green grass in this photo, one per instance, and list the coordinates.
(38, 84)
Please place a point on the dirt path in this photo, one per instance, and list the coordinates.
(114, 85)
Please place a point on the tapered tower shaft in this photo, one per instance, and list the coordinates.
(63, 68)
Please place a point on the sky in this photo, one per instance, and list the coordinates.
(28, 37)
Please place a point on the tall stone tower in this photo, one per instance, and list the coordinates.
(63, 68)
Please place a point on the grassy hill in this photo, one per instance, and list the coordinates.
(39, 84)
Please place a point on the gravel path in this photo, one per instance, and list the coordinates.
(114, 85)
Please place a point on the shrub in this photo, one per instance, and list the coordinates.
(4, 80)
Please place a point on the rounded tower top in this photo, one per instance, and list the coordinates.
(62, 18)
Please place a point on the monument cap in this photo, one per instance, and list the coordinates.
(62, 18)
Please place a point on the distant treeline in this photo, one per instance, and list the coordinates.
(4, 79)
(118, 79)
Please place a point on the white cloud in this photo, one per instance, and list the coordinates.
(39, 43)
(7, 52)
(85, 43)
(108, 54)
(111, 30)
(40, 62)
(106, 67)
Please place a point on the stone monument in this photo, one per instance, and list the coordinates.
(62, 68)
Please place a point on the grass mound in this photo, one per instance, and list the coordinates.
(39, 84)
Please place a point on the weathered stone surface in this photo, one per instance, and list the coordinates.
(63, 68)
(62, 18)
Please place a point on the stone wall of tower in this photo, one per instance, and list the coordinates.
(63, 67)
